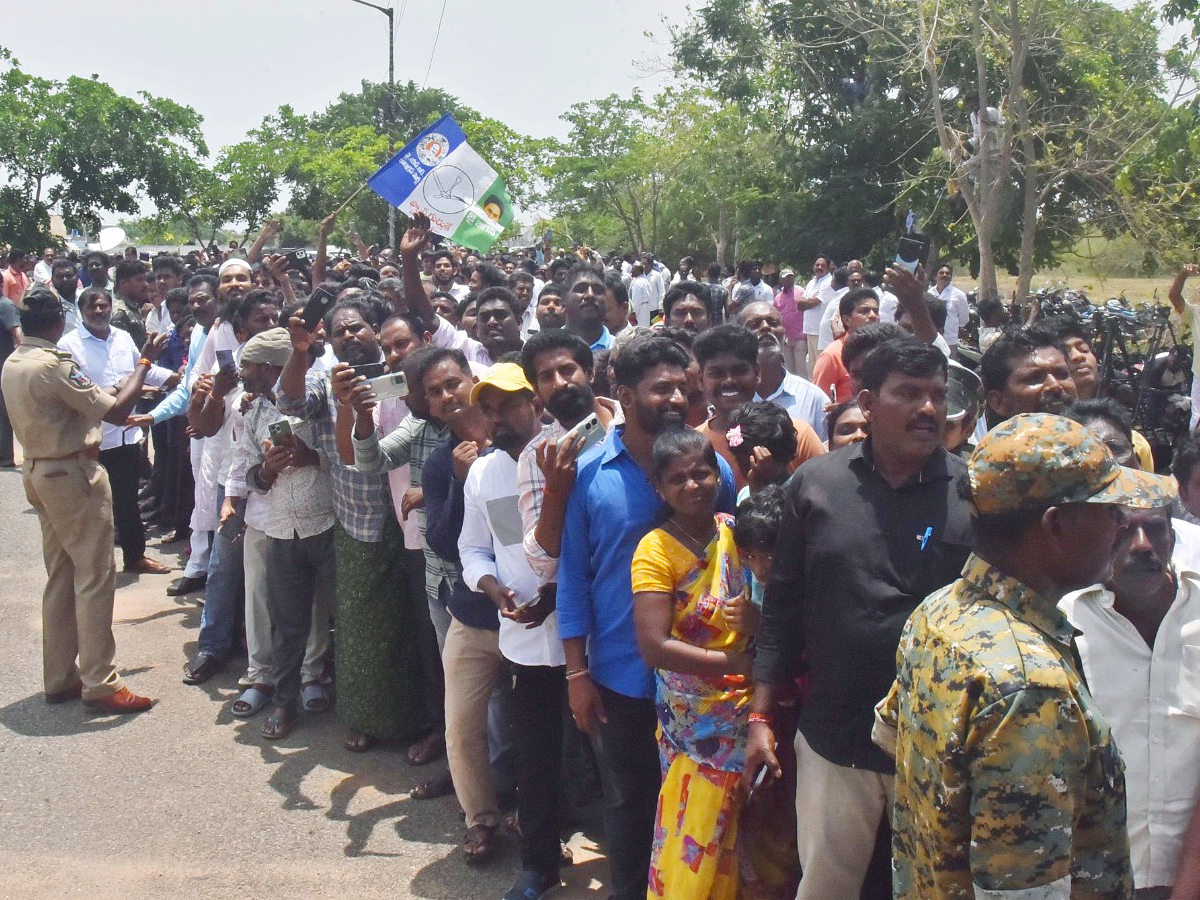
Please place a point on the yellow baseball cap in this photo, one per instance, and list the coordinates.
(507, 377)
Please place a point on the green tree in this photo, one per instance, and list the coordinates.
(83, 147)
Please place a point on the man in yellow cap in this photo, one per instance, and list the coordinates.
(1008, 781)
(493, 559)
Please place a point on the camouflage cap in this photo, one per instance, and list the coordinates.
(1036, 459)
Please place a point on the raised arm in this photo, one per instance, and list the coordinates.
(1175, 292)
(322, 258)
(411, 244)
(264, 237)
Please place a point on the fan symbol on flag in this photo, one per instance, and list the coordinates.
(449, 190)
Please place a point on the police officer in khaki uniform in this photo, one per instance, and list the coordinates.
(56, 413)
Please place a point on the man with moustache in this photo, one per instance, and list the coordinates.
(867, 533)
(108, 357)
(798, 396)
(64, 281)
(1138, 652)
(1026, 371)
(128, 297)
(584, 304)
(379, 679)
(1009, 782)
(549, 309)
(609, 686)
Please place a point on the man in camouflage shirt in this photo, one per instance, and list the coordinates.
(1008, 783)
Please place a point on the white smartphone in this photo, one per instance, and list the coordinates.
(591, 429)
(385, 387)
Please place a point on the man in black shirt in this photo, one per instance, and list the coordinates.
(868, 532)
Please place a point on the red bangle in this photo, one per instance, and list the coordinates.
(757, 718)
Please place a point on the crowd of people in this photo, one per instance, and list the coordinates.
(818, 610)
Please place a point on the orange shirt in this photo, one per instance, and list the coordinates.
(830, 373)
(808, 445)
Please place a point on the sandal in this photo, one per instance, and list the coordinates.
(359, 742)
(438, 786)
(427, 749)
(252, 700)
(314, 697)
(279, 724)
(479, 843)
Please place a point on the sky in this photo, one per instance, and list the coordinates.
(523, 62)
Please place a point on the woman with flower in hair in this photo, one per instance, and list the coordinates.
(694, 626)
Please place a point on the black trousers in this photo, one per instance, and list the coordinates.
(631, 778)
(6, 431)
(159, 438)
(292, 568)
(124, 465)
(538, 696)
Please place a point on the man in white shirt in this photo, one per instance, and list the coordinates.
(107, 355)
(958, 311)
(42, 271)
(798, 396)
(818, 294)
(1140, 650)
(493, 563)
(641, 296)
(653, 271)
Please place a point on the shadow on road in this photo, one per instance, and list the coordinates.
(33, 717)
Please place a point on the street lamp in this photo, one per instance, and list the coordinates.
(391, 102)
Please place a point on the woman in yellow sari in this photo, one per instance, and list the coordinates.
(694, 621)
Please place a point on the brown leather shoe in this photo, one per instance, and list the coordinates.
(123, 701)
(148, 566)
(72, 693)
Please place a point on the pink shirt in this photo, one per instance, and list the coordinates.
(15, 284)
(793, 318)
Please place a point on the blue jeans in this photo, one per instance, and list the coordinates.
(225, 592)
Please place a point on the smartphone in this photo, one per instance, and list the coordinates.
(225, 360)
(280, 429)
(232, 528)
(911, 252)
(369, 371)
(591, 429)
(296, 259)
(319, 303)
(387, 387)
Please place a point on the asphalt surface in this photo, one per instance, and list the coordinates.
(187, 801)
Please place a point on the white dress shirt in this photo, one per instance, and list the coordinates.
(158, 320)
(108, 362)
(958, 313)
(490, 543)
(803, 400)
(1151, 699)
(823, 288)
(641, 298)
(825, 335)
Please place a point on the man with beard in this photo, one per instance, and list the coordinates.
(129, 296)
(522, 285)
(867, 533)
(583, 300)
(559, 366)
(1136, 650)
(494, 564)
(799, 397)
(108, 357)
(445, 269)
(497, 325)
(379, 678)
(616, 304)
(609, 686)
(410, 436)
(64, 281)
(1026, 371)
(728, 358)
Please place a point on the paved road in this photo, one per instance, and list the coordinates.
(186, 801)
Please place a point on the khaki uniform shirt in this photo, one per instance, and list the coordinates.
(55, 409)
(1008, 781)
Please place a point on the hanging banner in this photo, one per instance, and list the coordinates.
(440, 175)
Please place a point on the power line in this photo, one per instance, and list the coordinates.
(435, 43)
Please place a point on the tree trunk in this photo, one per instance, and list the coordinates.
(722, 232)
(985, 230)
(1029, 225)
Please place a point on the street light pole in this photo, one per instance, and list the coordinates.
(390, 112)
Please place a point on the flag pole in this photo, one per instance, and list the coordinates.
(346, 202)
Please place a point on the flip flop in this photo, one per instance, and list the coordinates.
(314, 697)
(279, 724)
(251, 701)
(479, 843)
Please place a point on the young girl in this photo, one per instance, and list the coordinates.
(763, 441)
(689, 591)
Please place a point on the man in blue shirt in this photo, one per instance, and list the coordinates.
(610, 688)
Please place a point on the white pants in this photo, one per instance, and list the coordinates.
(838, 811)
